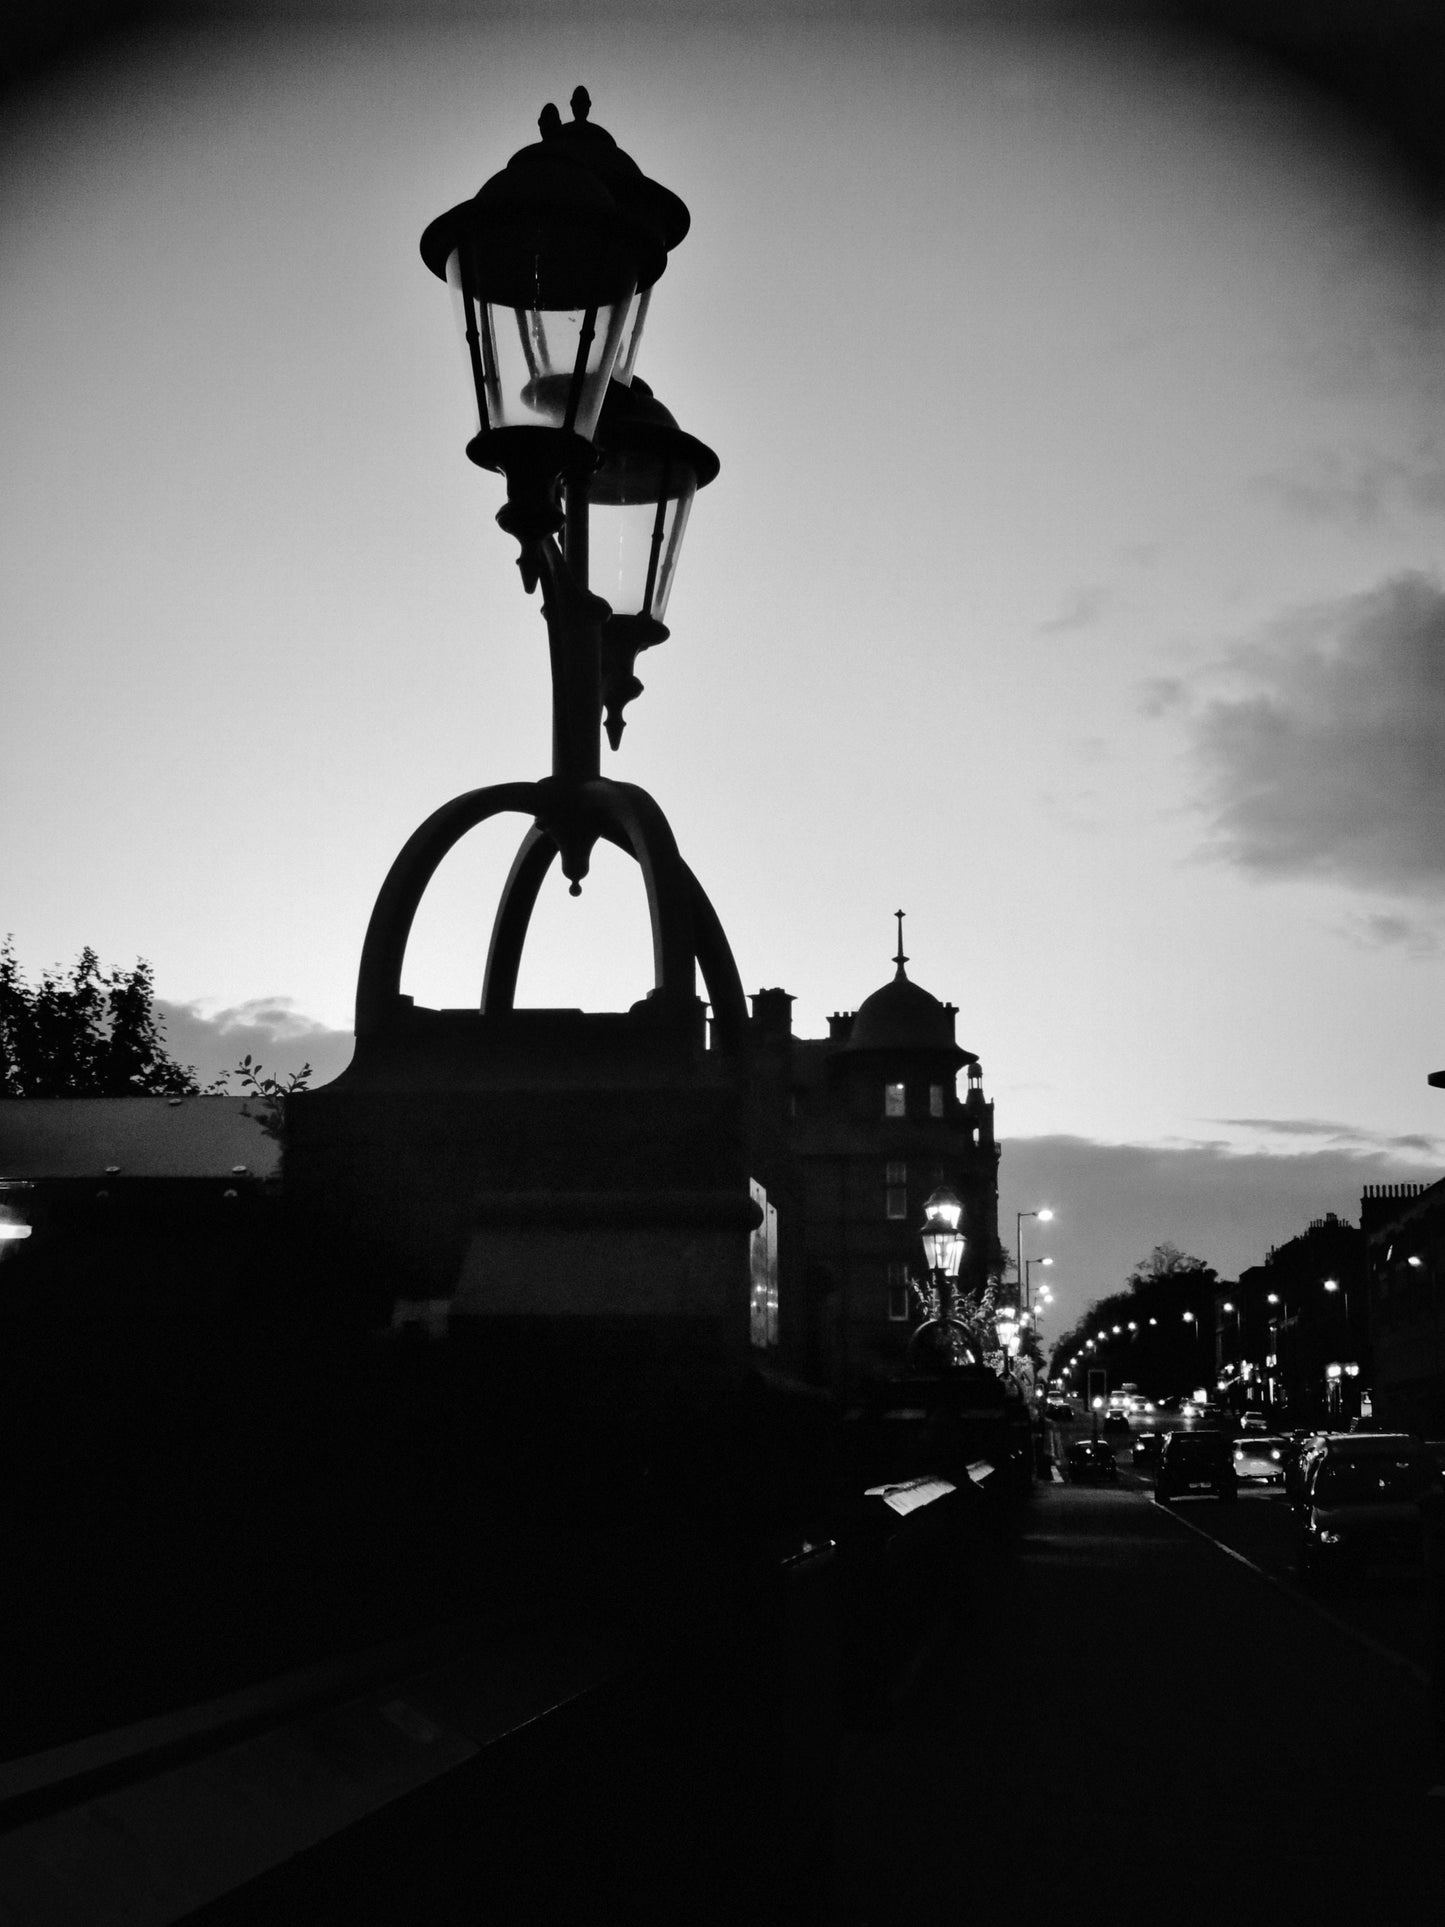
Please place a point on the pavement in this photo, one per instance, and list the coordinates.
(1129, 1722)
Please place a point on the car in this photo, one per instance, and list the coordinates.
(1360, 1506)
(1253, 1422)
(1147, 1447)
(1061, 1412)
(1090, 1460)
(1199, 1461)
(1140, 1407)
(1117, 1422)
(1260, 1459)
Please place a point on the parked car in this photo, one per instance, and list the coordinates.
(1253, 1422)
(1195, 1462)
(1361, 1503)
(1061, 1412)
(1090, 1460)
(1260, 1459)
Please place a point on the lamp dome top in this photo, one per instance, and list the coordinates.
(576, 173)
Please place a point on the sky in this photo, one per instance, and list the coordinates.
(1073, 578)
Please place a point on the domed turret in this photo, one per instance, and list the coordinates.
(905, 1016)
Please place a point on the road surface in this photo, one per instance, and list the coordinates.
(1132, 1722)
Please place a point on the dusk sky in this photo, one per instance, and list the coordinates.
(1073, 579)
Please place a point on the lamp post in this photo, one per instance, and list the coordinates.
(943, 1245)
(552, 265)
(1029, 1264)
(1043, 1214)
(1333, 1286)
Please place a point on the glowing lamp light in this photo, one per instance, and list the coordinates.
(942, 1240)
(11, 1231)
(1414, 1259)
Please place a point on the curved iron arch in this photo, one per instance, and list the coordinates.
(686, 931)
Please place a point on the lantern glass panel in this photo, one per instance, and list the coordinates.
(538, 366)
(942, 1249)
(632, 337)
(634, 546)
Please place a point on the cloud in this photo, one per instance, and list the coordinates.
(1324, 760)
(1358, 489)
(269, 1029)
(1086, 608)
(1113, 1203)
(1351, 1136)
(1161, 694)
(1385, 932)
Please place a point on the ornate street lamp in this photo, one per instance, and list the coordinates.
(546, 261)
(943, 1246)
(943, 1242)
(552, 264)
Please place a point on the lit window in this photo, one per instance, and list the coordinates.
(935, 1100)
(894, 1100)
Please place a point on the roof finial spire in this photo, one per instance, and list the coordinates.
(900, 959)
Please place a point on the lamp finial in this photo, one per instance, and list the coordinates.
(900, 959)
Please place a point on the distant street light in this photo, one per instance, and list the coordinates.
(1333, 1285)
(1043, 1214)
(1029, 1264)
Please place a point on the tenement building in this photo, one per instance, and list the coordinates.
(854, 1130)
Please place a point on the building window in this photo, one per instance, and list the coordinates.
(896, 1189)
(898, 1307)
(935, 1100)
(895, 1100)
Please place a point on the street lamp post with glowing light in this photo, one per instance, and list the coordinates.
(1044, 1215)
(942, 1333)
(1029, 1264)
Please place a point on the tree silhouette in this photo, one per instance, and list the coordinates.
(85, 1032)
(91, 1032)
